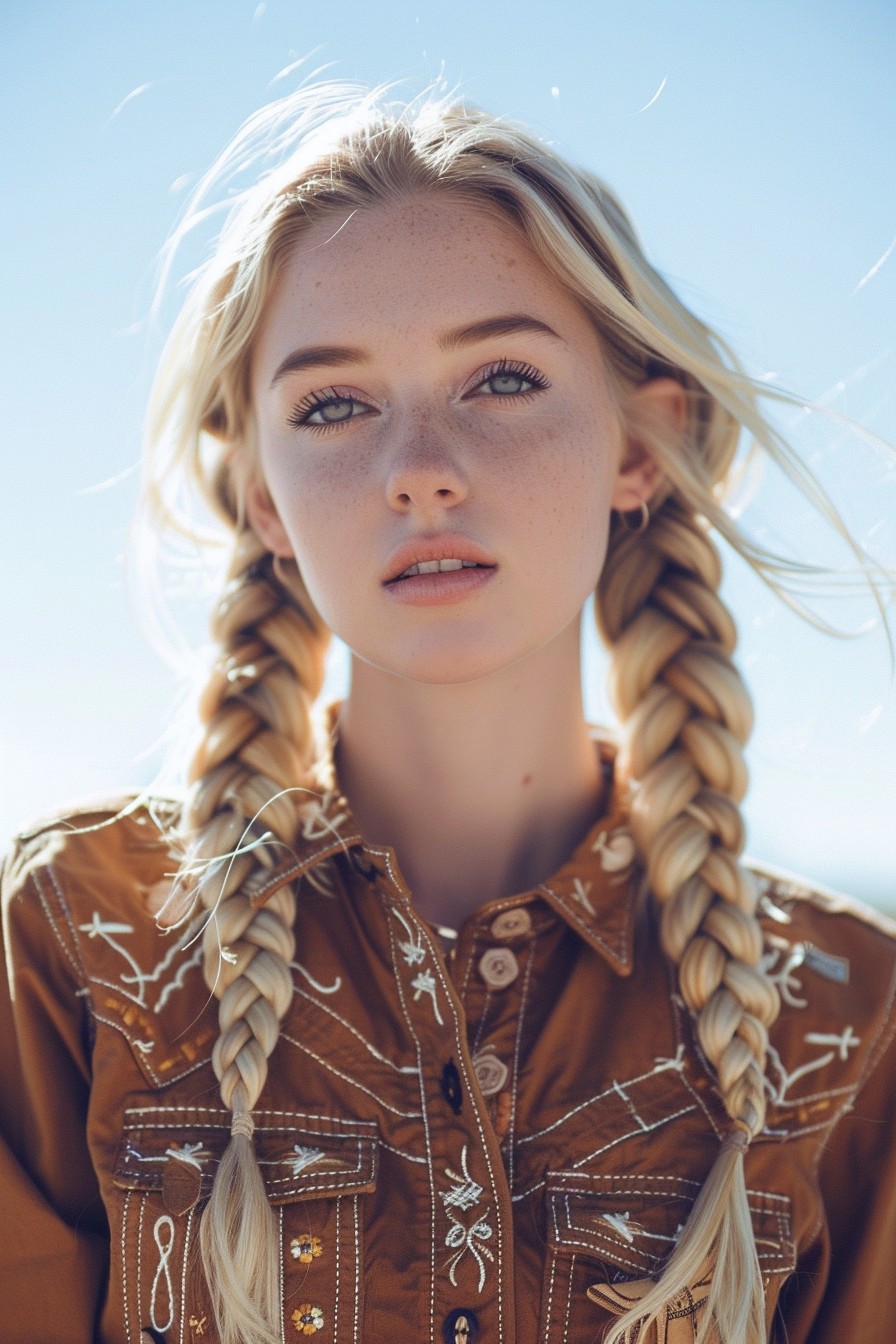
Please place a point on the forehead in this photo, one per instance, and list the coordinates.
(423, 261)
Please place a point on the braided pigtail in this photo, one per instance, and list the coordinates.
(687, 716)
(257, 747)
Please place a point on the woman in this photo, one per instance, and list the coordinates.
(491, 1054)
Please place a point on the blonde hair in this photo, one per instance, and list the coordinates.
(684, 710)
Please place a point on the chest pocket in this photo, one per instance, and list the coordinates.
(315, 1170)
(606, 1232)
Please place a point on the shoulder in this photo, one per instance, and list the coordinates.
(98, 862)
(833, 961)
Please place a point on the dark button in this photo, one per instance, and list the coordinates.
(451, 1089)
(460, 1327)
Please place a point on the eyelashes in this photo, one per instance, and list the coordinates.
(512, 371)
(504, 380)
(335, 408)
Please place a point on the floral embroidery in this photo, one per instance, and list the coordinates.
(308, 1319)
(305, 1249)
(465, 1195)
(412, 949)
(425, 983)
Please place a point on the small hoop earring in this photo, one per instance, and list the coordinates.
(641, 523)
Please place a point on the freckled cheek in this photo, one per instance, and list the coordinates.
(320, 501)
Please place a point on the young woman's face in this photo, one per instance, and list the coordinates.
(425, 392)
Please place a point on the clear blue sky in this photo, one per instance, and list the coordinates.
(754, 145)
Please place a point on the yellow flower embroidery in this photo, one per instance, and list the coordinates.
(308, 1319)
(306, 1249)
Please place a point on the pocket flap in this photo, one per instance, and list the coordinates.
(301, 1156)
(635, 1221)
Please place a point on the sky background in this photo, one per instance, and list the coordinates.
(753, 144)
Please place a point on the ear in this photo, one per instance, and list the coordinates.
(660, 400)
(265, 520)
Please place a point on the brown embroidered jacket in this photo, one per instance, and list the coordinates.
(458, 1147)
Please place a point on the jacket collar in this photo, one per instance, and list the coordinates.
(595, 892)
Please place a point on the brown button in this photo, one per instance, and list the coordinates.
(498, 967)
(181, 1186)
(511, 924)
(491, 1072)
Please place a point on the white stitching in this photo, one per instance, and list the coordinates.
(675, 1065)
(620, 953)
(357, 1269)
(166, 1222)
(282, 1276)
(620, 1138)
(572, 1267)
(143, 1204)
(225, 1118)
(425, 1119)
(511, 1128)
(124, 1262)
(347, 1078)
(468, 1083)
(183, 1275)
(80, 971)
(339, 1249)
(368, 1046)
(159, 1082)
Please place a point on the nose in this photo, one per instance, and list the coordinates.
(424, 474)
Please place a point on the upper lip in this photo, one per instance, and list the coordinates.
(445, 546)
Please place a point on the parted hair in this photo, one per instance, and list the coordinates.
(259, 770)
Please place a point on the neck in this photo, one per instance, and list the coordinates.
(483, 788)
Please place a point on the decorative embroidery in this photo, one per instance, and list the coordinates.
(617, 851)
(164, 1224)
(98, 928)
(425, 983)
(197, 1326)
(843, 1043)
(620, 1223)
(308, 1319)
(413, 949)
(415, 952)
(191, 1153)
(321, 989)
(846, 1041)
(139, 979)
(304, 1157)
(580, 892)
(787, 983)
(465, 1194)
(305, 1249)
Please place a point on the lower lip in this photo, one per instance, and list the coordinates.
(433, 590)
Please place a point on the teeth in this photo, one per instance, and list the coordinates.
(437, 567)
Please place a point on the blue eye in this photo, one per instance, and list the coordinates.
(325, 410)
(509, 378)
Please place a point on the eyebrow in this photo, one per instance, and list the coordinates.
(317, 356)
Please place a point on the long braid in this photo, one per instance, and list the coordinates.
(254, 762)
(687, 715)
